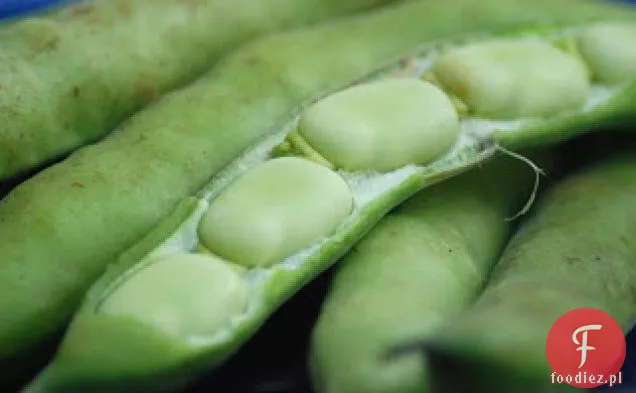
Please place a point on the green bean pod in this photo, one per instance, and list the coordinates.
(576, 251)
(423, 264)
(82, 213)
(69, 77)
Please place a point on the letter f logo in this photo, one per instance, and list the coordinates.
(583, 344)
(572, 330)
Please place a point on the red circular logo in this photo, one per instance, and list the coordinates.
(586, 349)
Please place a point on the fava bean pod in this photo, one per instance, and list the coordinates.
(576, 251)
(367, 147)
(69, 77)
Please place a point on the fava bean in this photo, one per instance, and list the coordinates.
(156, 295)
(274, 211)
(609, 51)
(513, 79)
(409, 121)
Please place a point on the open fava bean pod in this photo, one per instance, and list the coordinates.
(187, 296)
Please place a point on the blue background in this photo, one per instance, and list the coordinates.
(14, 8)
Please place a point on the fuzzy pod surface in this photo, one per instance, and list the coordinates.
(69, 77)
(576, 251)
